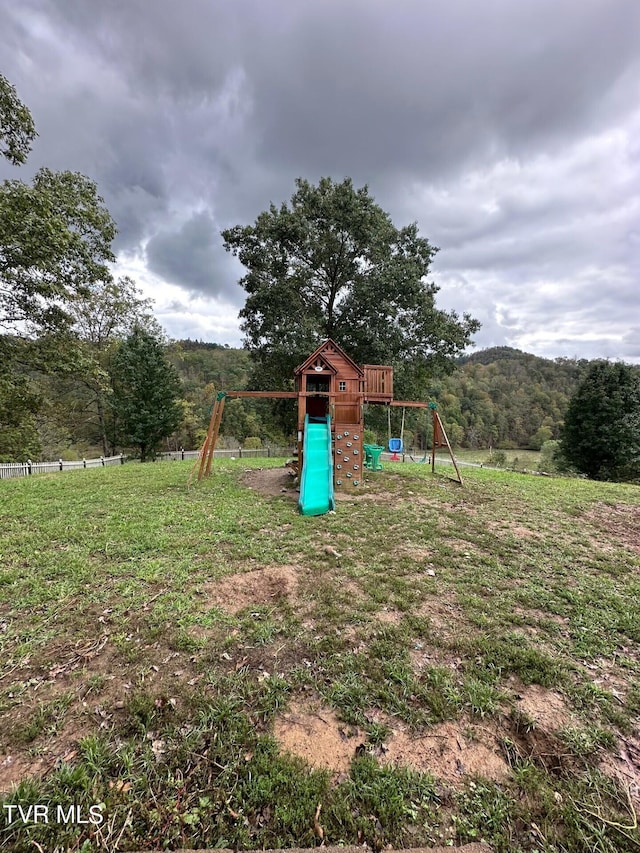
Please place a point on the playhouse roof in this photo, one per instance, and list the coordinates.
(325, 350)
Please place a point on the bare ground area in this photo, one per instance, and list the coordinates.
(314, 733)
(625, 767)
(455, 749)
(445, 616)
(272, 482)
(16, 765)
(260, 587)
(546, 709)
(619, 523)
(449, 751)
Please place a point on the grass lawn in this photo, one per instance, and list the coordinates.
(520, 459)
(430, 664)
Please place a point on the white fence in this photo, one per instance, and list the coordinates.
(25, 469)
(234, 453)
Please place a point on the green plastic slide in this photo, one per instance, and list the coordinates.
(316, 483)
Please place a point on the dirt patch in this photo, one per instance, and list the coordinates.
(314, 733)
(511, 529)
(388, 616)
(16, 765)
(446, 618)
(449, 751)
(461, 546)
(263, 586)
(624, 766)
(272, 482)
(619, 523)
(544, 707)
(425, 657)
(533, 614)
(417, 553)
(524, 532)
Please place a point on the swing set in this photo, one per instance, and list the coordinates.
(331, 391)
(439, 440)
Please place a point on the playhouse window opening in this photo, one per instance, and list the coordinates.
(318, 384)
(342, 385)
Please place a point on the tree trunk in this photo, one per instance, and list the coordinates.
(103, 426)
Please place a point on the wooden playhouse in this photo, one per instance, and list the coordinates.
(331, 391)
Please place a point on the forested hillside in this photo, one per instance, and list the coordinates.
(501, 397)
(205, 369)
(507, 398)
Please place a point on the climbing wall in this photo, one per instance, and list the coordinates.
(348, 457)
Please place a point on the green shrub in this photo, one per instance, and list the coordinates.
(549, 457)
(370, 437)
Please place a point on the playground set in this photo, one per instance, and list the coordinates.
(331, 390)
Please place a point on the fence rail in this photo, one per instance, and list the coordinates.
(26, 469)
(234, 453)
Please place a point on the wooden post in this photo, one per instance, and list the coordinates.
(433, 408)
(440, 439)
(214, 432)
(205, 447)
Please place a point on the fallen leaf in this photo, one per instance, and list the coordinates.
(329, 549)
(317, 827)
(157, 747)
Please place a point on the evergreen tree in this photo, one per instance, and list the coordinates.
(146, 393)
(601, 435)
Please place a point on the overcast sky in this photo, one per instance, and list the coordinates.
(509, 130)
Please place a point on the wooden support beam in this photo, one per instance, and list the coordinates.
(440, 440)
(276, 395)
(204, 451)
(214, 437)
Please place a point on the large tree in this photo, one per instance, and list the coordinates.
(17, 130)
(106, 315)
(601, 434)
(55, 243)
(146, 393)
(333, 264)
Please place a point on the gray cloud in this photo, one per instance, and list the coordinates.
(424, 89)
(507, 130)
(193, 257)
